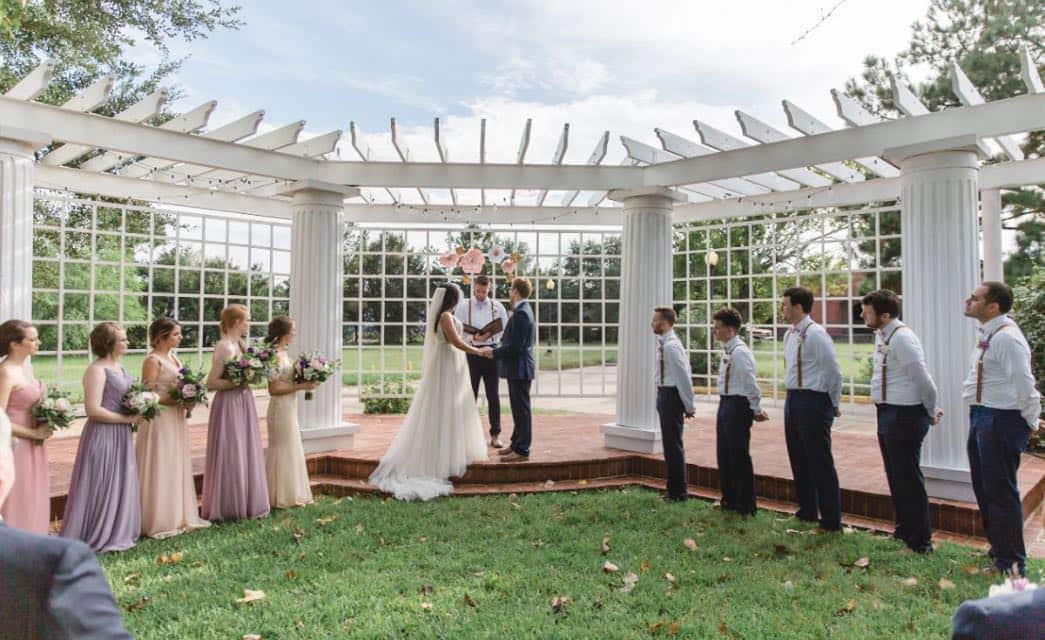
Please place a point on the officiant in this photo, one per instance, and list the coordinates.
(484, 320)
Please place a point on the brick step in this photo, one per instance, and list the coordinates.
(340, 486)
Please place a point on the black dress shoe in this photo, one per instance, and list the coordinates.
(681, 498)
(798, 514)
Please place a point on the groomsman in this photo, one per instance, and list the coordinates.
(1004, 406)
(674, 380)
(905, 397)
(478, 311)
(814, 389)
(740, 403)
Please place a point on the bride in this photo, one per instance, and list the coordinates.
(442, 434)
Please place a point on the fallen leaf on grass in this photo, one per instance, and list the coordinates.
(789, 585)
(609, 567)
(781, 549)
(426, 606)
(252, 636)
(131, 578)
(290, 574)
(629, 582)
(426, 589)
(862, 563)
(559, 603)
(250, 595)
(137, 604)
(605, 544)
(537, 544)
(910, 582)
(946, 584)
(723, 629)
(172, 558)
(673, 629)
(971, 570)
(727, 559)
(690, 543)
(848, 608)
(299, 533)
(516, 505)
(669, 577)
(644, 565)
(655, 626)
(359, 528)
(325, 521)
(468, 601)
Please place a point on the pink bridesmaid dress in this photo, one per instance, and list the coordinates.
(29, 504)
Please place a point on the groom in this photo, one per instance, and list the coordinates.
(515, 363)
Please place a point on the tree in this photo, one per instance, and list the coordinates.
(984, 37)
(89, 39)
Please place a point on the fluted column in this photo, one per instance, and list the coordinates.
(990, 212)
(315, 305)
(16, 220)
(645, 284)
(941, 266)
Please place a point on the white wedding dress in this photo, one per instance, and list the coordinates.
(442, 433)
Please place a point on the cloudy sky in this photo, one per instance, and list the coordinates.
(626, 67)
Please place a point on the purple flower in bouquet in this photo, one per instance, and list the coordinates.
(314, 367)
(140, 401)
(255, 365)
(190, 390)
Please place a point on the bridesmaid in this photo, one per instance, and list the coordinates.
(103, 508)
(284, 457)
(168, 493)
(234, 484)
(29, 504)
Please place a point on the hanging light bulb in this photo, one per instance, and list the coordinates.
(550, 285)
(711, 258)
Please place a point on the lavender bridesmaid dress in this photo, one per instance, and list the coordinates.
(103, 507)
(29, 504)
(234, 484)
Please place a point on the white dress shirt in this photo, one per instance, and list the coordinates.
(676, 371)
(482, 314)
(738, 360)
(820, 370)
(1008, 382)
(907, 377)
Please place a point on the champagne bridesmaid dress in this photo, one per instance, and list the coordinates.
(168, 494)
(29, 504)
(285, 458)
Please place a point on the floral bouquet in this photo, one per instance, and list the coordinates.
(1014, 583)
(141, 401)
(314, 367)
(190, 389)
(53, 410)
(253, 366)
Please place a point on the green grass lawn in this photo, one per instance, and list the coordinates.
(489, 567)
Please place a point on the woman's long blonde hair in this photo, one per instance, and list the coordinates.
(231, 315)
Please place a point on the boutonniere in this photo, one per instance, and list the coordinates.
(884, 349)
(801, 339)
(984, 344)
(725, 359)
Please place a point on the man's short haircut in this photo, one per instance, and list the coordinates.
(998, 292)
(523, 286)
(801, 296)
(667, 314)
(482, 280)
(883, 301)
(730, 317)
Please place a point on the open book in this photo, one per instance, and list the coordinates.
(493, 327)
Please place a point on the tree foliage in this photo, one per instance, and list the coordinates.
(984, 37)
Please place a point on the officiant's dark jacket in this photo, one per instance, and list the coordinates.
(515, 354)
(52, 589)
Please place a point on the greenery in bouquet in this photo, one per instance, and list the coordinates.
(314, 367)
(141, 401)
(190, 390)
(54, 411)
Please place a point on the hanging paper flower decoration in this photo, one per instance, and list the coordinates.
(508, 266)
(459, 250)
(465, 280)
(449, 260)
(473, 261)
(516, 257)
(497, 254)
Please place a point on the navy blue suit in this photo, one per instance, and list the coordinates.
(515, 363)
(52, 588)
(1011, 616)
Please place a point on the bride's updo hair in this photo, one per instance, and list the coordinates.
(450, 299)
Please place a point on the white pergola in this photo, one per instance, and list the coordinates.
(931, 162)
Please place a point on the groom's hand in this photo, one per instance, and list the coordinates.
(486, 352)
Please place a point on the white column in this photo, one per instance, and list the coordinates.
(990, 212)
(645, 284)
(315, 304)
(16, 220)
(940, 245)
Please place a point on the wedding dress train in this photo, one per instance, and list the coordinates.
(441, 434)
